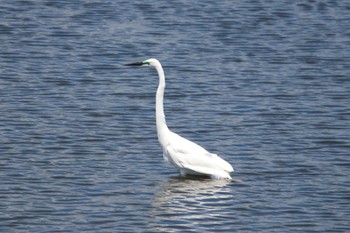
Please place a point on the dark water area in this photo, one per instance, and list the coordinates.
(264, 84)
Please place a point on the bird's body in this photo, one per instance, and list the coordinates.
(193, 159)
(187, 156)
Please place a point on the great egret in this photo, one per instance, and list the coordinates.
(189, 157)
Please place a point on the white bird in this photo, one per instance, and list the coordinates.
(187, 156)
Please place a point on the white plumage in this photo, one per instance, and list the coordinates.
(190, 158)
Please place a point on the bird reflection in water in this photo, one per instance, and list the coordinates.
(188, 201)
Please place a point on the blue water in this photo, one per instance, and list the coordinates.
(265, 84)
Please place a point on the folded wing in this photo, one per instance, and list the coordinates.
(188, 155)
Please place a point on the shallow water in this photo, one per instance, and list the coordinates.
(264, 85)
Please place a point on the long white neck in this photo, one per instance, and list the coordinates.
(162, 128)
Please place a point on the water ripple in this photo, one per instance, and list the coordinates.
(264, 85)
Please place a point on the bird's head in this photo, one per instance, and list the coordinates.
(149, 62)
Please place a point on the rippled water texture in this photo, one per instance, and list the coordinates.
(265, 84)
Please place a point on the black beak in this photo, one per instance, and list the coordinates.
(134, 64)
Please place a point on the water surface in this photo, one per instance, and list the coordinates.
(264, 85)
